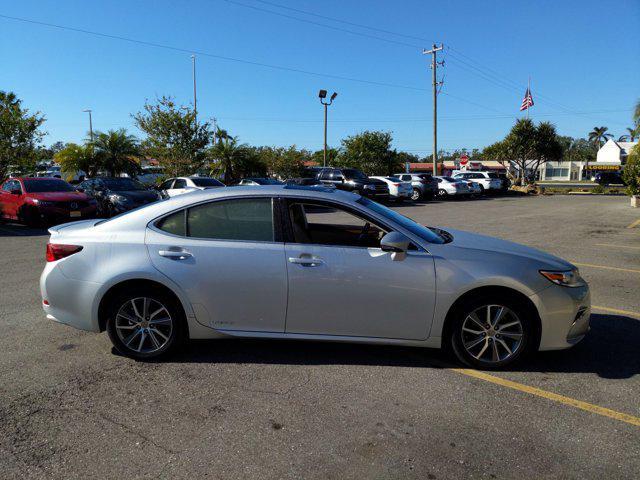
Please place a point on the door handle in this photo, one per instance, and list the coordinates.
(175, 254)
(306, 261)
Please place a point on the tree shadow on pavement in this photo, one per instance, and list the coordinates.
(611, 350)
(16, 230)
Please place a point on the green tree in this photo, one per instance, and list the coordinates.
(636, 114)
(631, 135)
(116, 152)
(226, 156)
(284, 162)
(174, 136)
(599, 135)
(371, 152)
(631, 173)
(576, 149)
(19, 133)
(74, 157)
(318, 156)
(526, 147)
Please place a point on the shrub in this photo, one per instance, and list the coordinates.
(631, 174)
(597, 189)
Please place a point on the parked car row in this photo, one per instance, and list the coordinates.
(49, 200)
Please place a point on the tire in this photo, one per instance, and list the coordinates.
(146, 335)
(30, 216)
(415, 195)
(491, 348)
(442, 193)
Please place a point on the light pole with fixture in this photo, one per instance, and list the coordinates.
(322, 94)
(90, 124)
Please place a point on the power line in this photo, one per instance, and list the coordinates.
(352, 32)
(212, 55)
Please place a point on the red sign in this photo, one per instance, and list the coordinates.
(464, 159)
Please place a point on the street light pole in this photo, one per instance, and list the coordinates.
(322, 94)
(90, 125)
(195, 106)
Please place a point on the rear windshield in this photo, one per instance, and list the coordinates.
(494, 175)
(425, 176)
(353, 173)
(38, 186)
(207, 182)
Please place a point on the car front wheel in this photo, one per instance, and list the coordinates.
(415, 195)
(491, 333)
(442, 193)
(144, 324)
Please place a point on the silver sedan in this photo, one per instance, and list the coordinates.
(307, 263)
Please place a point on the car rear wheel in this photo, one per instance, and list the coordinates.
(143, 324)
(415, 195)
(491, 333)
(442, 193)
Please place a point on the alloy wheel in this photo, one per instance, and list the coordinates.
(415, 195)
(492, 334)
(144, 325)
(442, 192)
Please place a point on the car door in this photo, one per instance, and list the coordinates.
(228, 257)
(178, 188)
(341, 283)
(165, 188)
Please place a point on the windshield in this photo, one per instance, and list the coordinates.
(493, 175)
(449, 179)
(393, 179)
(207, 182)
(415, 228)
(39, 186)
(355, 174)
(122, 184)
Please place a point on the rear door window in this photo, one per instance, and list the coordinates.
(247, 219)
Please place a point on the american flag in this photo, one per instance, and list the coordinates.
(527, 101)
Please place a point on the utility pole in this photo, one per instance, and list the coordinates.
(195, 107)
(434, 66)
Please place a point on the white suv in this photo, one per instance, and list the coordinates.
(484, 179)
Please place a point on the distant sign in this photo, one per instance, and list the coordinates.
(407, 166)
(464, 159)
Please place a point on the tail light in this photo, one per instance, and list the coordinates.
(57, 251)
(395, 184)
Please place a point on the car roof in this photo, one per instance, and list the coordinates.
(37, 179)
(136, 218)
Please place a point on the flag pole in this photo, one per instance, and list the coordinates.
(529, 92)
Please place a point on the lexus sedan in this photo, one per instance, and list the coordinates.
(307, 263)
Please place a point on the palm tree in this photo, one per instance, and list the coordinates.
(598, 135)
(226, 154)
(116, 150)
(629, 137)
(636, 114)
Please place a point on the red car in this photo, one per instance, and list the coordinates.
(44, 200)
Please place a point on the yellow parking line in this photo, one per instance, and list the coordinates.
(572, 402)
(615, 310)
(615, 245)
(634, 224)
(605, 267)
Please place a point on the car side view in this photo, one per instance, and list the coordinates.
(307, 263)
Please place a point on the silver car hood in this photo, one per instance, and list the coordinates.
(475, 241)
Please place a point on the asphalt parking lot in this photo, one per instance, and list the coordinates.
(70, 408)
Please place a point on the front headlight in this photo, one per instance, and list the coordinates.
(568, 278)
(370, 187)
(43, 203)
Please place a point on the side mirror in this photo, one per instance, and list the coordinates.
(16, 191)
(397, 244)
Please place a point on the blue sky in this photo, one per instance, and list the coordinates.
(582, 57)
